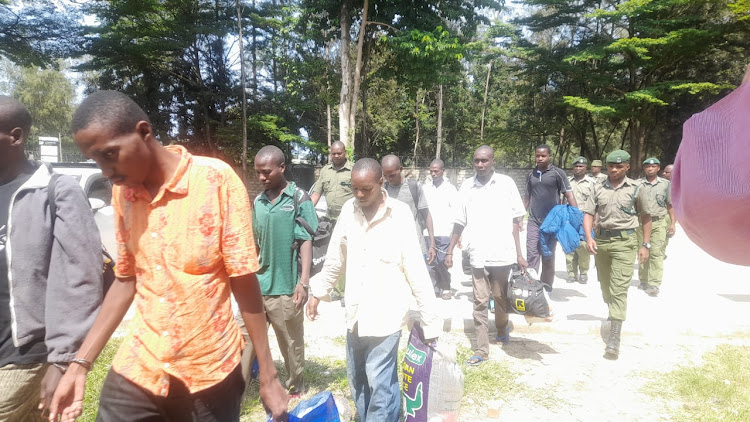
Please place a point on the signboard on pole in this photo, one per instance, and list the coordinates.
(49, 149)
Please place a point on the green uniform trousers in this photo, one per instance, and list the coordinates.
(614, 267)
(579, 261)
(652, 271)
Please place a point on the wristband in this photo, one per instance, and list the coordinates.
(83, 362)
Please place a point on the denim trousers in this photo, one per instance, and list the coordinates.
(371, 366)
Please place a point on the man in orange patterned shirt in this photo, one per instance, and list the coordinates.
(185, 243)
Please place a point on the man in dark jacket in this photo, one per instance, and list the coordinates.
(50, 272)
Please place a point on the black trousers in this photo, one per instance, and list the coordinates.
(123, 401)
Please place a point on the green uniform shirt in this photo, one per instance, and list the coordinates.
(336, 186)
(657, 195)
(582, 189)
(599, 178)
(275, 230)
(618, 208)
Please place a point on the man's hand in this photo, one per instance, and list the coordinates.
(519, 223)
(274, 398)
(449, 260)
(312, 308)
(431, 255)
(671, 230)
(522, 263)
(300, 295)
(591, 246)
(49, 384)
(643, 255)
(67, 402)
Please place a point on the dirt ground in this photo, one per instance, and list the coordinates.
(560, 370)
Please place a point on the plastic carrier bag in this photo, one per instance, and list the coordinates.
(318, 408)
(526, 295)
(433, 383)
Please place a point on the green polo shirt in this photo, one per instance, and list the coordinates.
(275, 230)
(657, 195)
(336, 186)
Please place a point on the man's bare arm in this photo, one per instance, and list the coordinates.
(315, 197)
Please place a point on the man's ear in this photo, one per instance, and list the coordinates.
(144, 129)
(282, 166)
(18, 136)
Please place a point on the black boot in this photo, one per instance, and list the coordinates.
(613, 344)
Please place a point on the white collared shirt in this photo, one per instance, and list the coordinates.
(442, 201)
(487, 212)
(384, 268)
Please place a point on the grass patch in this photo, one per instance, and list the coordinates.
(718, 390)
(488, 381)
(95, 380)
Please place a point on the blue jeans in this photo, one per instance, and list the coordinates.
(371, 365)
(439, 272)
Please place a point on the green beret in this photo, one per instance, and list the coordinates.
(618, 156)
(651, 160)
(596, 163)
(580, 160)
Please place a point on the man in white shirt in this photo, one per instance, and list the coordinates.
(375, 245)
(441, 197)
(491, 213)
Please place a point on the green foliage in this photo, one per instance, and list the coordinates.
(48, 95)
(584, 104)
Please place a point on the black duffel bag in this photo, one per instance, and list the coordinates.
(526, 295)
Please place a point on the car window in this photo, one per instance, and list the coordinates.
(101, 189)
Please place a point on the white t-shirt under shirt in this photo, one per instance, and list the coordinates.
(487, 212)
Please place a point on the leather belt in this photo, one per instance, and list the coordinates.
(615, 233)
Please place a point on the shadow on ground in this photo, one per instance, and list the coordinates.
(562, 295)
(523, 348)
(585, 317)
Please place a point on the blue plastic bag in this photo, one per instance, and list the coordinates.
(318, 408)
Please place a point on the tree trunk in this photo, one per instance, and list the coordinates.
(561, 148)
(328, 90)
(354, 97)
(244, 94)
(439, 123)
(416, 138)
(637, 139)
(346, 76)
(484, 101)
(254, 50)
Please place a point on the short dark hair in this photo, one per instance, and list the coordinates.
(438, 162)
(368, 165)
(14, 114)
(486, 148)
(270, 151)
(544, 146)
(114, 110)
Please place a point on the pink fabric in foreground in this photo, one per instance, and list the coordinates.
(711, 178)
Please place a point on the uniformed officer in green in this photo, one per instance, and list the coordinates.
(619, 204)
(579, 261)
(596, 171)
(335, 181)
(656, 192)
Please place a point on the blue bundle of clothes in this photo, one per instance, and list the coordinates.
(565, 223)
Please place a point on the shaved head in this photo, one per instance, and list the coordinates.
(270, 152)
(338, 145)
(485, 149)
(368, 166)
(390, 161)
(438, 162)
(13, 114)
(338, 154)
